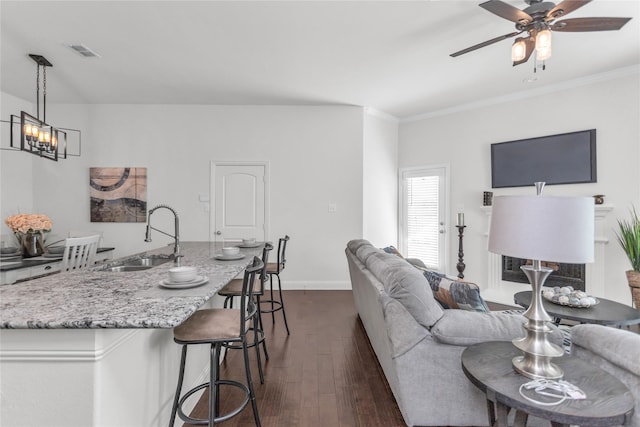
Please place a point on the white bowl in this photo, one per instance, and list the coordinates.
(182, 274)
(231, 250)
(249, 241)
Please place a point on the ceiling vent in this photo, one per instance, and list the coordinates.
(84, 50)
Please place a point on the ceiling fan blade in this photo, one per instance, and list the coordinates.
(566, 7)
(530, 43)
(483, 44)
(589, 24)
(506, 11)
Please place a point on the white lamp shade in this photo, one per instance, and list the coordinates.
(559, 229)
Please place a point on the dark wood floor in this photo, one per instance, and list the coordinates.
(324, 374)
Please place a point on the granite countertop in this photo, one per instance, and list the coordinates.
(105, 299)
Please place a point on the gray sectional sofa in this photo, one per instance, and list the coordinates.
(419, 344)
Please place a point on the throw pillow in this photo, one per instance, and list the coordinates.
(454, 294)
(392, 250)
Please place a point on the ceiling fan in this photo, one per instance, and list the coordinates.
(537, 21)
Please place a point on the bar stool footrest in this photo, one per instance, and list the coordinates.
(221, 418)
(277, 305)
(261, 338)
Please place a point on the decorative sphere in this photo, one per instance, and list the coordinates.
(563, 299)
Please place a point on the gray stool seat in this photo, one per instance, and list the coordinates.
(234, 288)
(219, 327)
(210, 325)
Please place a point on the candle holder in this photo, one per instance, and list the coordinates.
(460, 266)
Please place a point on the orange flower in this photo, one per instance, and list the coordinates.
(25, 223)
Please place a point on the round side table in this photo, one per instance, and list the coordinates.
(608, 402)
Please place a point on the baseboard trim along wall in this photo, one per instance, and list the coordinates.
(303, 285)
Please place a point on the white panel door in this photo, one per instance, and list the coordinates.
(239, 197)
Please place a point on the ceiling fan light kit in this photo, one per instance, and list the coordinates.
(538, 21)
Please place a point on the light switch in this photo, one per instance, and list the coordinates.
(332, 208)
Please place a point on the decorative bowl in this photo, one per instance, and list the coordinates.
(231, 250)
(249, 241)
(182, 274)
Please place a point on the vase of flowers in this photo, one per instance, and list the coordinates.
(29, 229)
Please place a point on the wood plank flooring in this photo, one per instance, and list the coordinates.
(324, 374)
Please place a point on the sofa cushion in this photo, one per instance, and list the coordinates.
(455, 294)
(403, 330)
(405, 284)
(617, 346)
(365, 251)
(353, 245)
(460, 327)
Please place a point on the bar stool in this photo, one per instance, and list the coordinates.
(217, 327)
(234, 289)
(274, 269)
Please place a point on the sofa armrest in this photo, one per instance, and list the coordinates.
(617, 346)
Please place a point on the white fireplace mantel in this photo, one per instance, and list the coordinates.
(502, 292)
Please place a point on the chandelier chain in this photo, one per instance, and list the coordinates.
(38, 92)
(44, 93)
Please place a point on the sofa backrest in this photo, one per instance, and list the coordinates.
(401, 282)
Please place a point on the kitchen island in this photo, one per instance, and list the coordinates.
(95, 347)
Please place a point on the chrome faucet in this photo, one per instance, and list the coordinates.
(176, 236)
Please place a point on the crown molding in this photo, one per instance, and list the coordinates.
(525, 94)
(380, 114)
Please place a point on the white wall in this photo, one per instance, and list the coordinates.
(463, 140)
(380, 179)
(315, 156)
(16, 168)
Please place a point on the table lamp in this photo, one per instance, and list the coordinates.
(541, 228)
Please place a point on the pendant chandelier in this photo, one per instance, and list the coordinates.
(36, 135)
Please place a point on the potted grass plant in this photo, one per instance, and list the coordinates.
(629, 238)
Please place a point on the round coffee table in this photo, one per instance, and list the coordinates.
(606, 312)
(608, 402)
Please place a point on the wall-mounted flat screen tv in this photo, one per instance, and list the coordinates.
(567, 158)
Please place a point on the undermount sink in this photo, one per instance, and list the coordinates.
(148, 261)
(121, 268)
(136, 264)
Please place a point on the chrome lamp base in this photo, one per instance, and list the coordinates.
(538, 351)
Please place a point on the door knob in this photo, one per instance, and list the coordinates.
(218, 232)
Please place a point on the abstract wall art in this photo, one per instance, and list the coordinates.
(118, 194)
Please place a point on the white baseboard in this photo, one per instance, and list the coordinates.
(303, 285)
